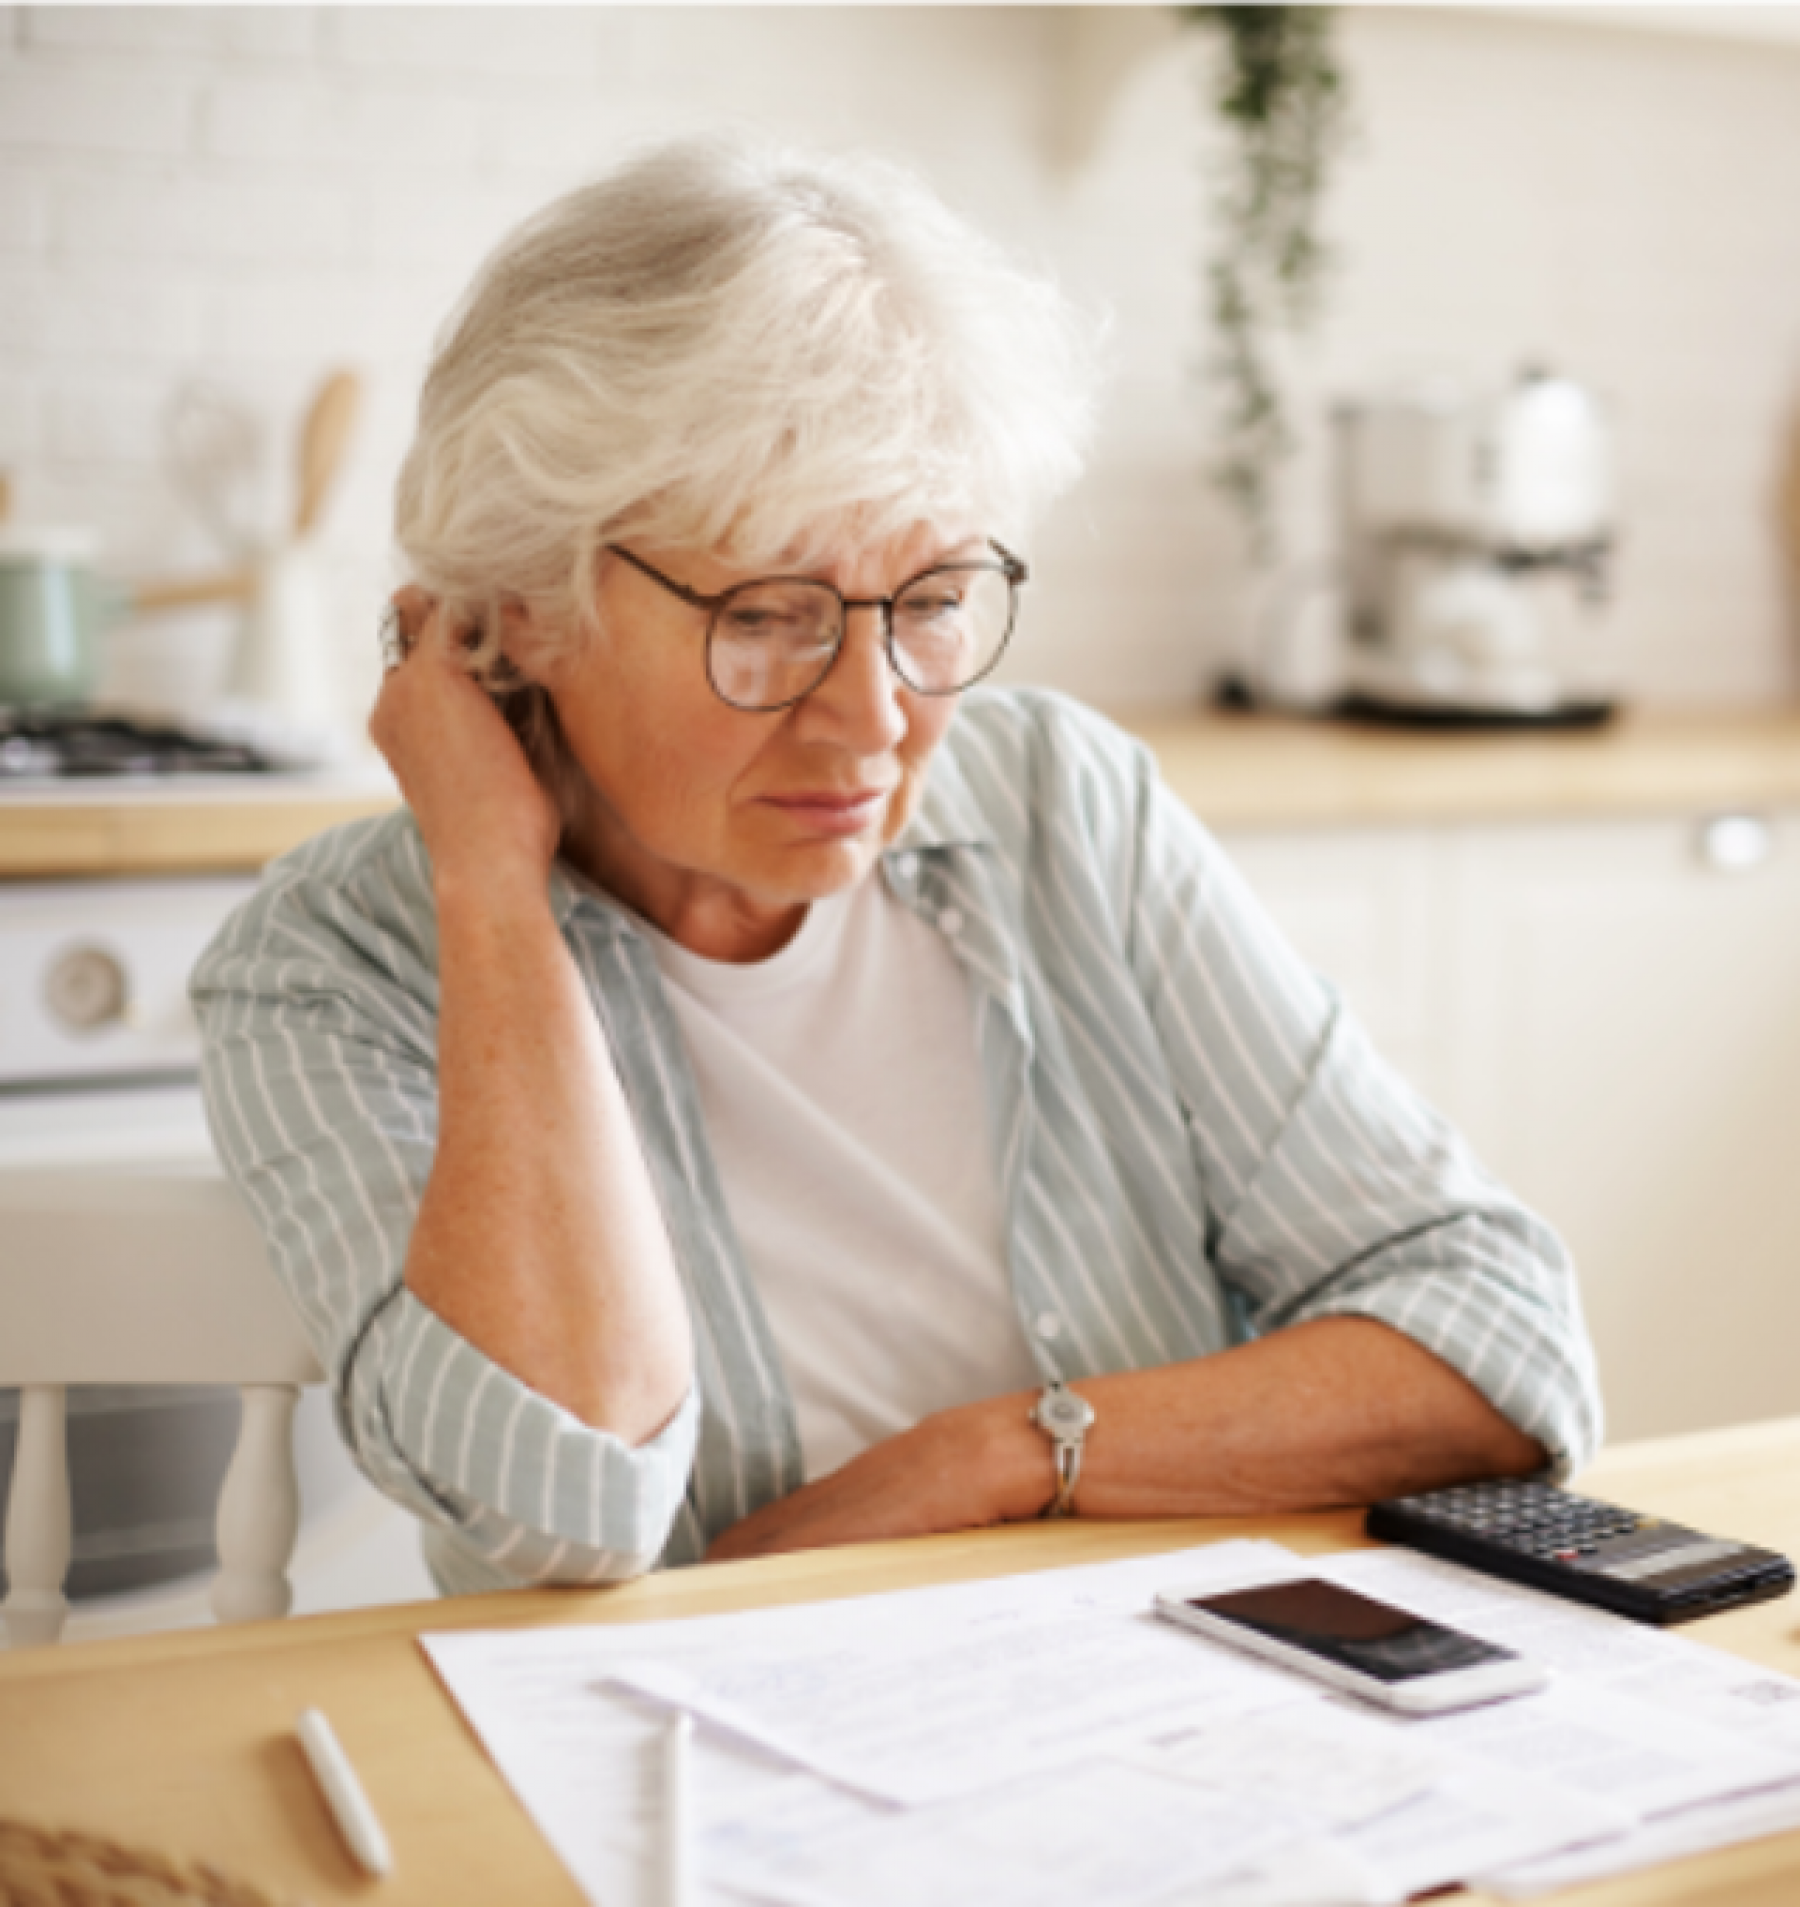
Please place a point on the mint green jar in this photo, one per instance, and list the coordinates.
(53, 608)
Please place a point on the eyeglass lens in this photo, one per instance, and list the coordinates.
(772, 642)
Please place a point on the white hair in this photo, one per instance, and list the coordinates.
(735, 348)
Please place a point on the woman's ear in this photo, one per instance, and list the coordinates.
(414, 608)
(523, 641)
(543, 645)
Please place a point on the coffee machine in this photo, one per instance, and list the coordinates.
(1477, 546)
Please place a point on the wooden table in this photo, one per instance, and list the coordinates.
(186, 1742)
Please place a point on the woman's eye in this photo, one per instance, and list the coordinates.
(795, 618)
(932, 603)
(763, 625)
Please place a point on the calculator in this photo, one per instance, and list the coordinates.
(1531, 1532)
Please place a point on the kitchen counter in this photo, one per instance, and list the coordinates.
(1269, 771)
(196, 825)
(1235, 771)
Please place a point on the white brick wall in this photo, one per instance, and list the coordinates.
(248, 196)
(21, 213)
(51, 106)
(213, 225)
(204, 32)
(564, 48)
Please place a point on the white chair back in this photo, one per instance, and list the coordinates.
(117, 1279)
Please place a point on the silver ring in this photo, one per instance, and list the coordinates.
(391, 635)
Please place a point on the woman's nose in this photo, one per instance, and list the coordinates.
(860, 697)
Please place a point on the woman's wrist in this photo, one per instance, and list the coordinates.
(1011, 1458)
(486, 898)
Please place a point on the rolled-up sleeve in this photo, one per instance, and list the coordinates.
(1332, 1188)
(317, 1006)
(527, 1486)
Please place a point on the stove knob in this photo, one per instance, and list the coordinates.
(85, 989)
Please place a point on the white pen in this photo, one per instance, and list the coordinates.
(344, 1794)
(675, 1810)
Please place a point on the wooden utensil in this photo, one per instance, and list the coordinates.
(322, 440)
(1790, 503)
(189, 592)
(324, 435)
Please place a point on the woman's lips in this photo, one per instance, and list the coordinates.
(833, 811)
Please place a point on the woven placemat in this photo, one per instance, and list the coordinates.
(40, 1867)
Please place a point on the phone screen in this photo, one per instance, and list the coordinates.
(1356, 1632)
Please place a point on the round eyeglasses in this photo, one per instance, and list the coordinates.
(771, 642)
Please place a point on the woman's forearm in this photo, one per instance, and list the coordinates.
(539, 1237)
(1336, 1411)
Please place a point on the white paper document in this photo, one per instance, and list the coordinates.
(1043, 1739)
(1303, 1760)
(1474, 1820)
(1701, 1748)
(1746, 1817)
(928, 1712)
(1321, 1873)
(1106, 1831)
(580, 1753)
(1650, 1720)
(1588, 1741)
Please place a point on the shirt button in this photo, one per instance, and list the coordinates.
(906, 865)
(951, 922)
(1049, 1326)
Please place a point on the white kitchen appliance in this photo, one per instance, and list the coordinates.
(1477, 545)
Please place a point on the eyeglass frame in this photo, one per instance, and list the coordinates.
(1013, 568)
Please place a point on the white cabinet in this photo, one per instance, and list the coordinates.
(1628, 1056)
(1362, 906)
(1613, 1017)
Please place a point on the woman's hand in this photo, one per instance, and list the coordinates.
(961, 1469)
(539, 1238)
(482, 811)
(1319, 1415)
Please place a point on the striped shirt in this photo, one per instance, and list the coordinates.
(1195, 1144)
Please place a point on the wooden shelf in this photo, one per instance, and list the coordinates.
(1263, 771)
(51, 839)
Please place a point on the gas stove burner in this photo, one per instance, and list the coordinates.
(53, 744)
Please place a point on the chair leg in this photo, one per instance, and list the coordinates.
(38, 1523)
(259, 1510)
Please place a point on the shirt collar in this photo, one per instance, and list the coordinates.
(571, 889)
(948, 814)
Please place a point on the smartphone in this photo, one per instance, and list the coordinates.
(1354, 1643)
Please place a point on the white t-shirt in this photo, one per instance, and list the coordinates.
(843, 1097)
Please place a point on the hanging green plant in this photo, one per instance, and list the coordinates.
(1283, 98)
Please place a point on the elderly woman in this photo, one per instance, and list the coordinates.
(765, 1091)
